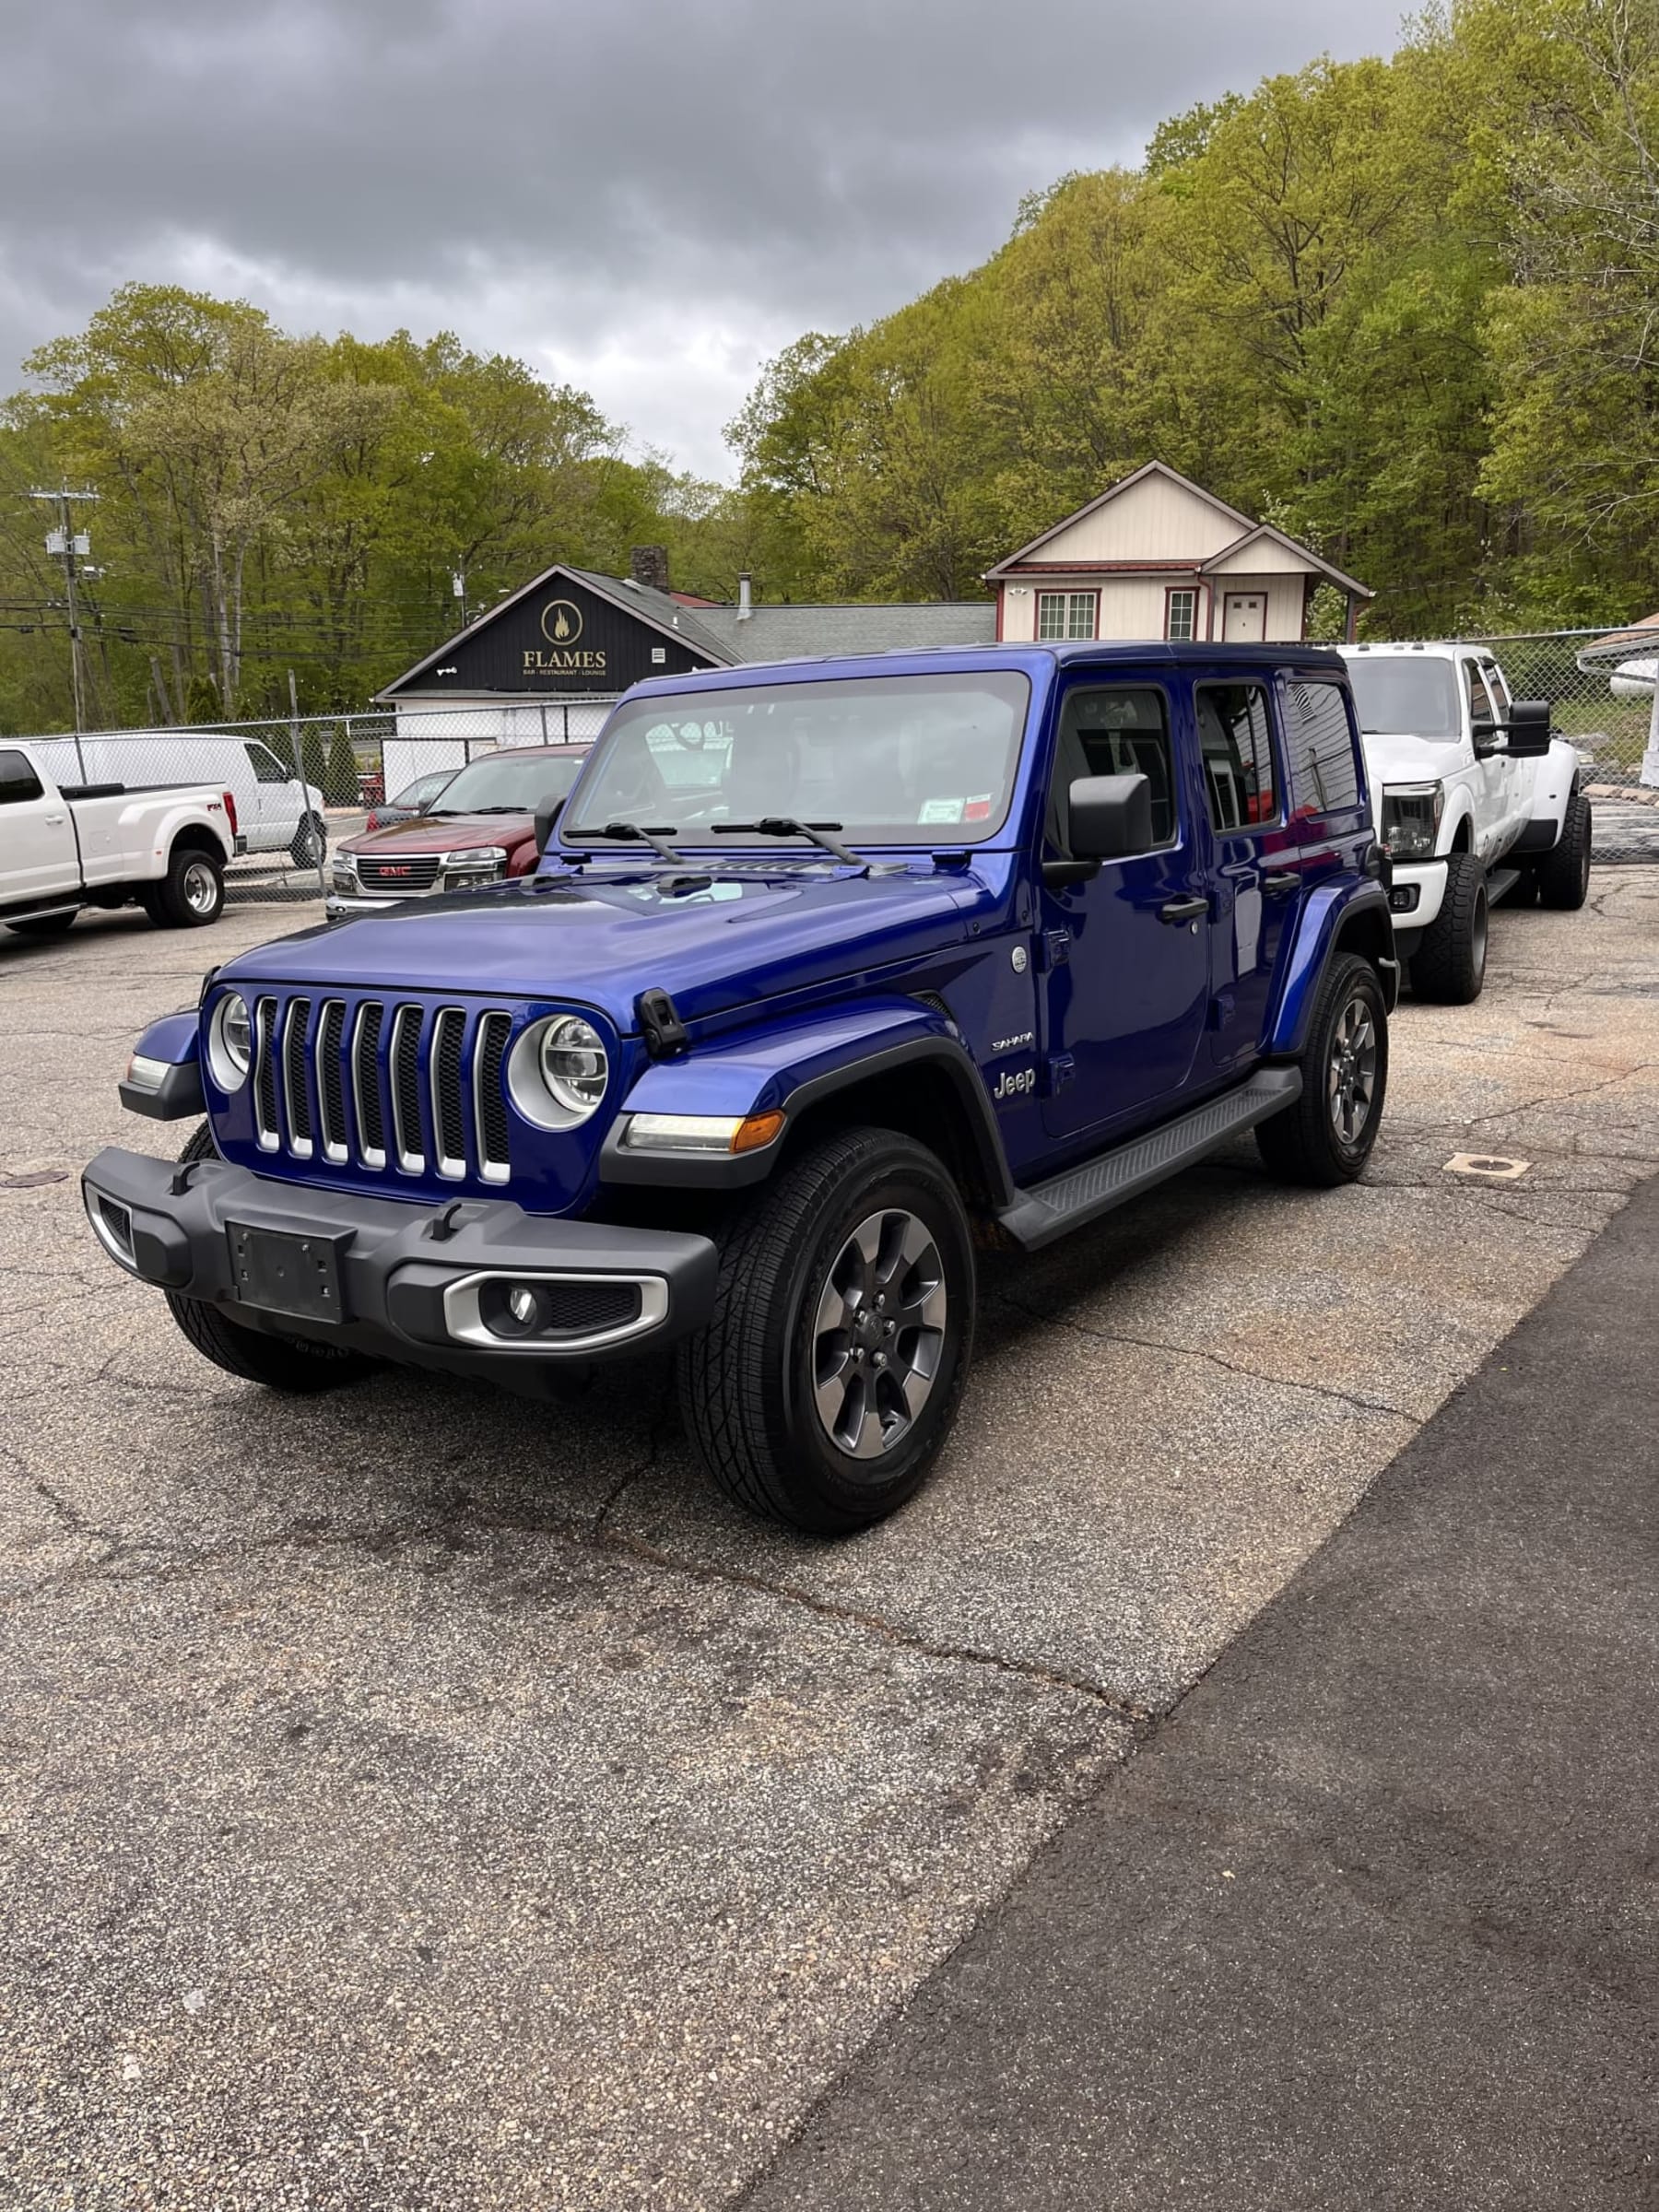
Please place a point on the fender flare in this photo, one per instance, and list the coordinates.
(1330, 908)
(790, 1070)
(175, 1041)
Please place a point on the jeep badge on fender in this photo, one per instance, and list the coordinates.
(722, 1072)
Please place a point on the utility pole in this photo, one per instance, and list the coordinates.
(67, 545)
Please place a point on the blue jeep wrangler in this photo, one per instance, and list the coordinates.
(833, 973)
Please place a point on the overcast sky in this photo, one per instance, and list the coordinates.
(646, 199)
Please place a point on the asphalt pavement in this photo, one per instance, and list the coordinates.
(416, 1798)
(1373, 1919)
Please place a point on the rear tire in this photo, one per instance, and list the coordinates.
(1564, 872)
(44, 925)
(289, 1364)
(191, 894)
(1449, 965)
(827, 1383)
(1326, 1136)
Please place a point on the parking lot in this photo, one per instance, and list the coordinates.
(413, 1798)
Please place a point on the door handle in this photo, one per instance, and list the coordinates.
(1281, 879)
(56, 818)
(1183, 910)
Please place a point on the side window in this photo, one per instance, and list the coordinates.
(1180, 615)
(1480, 699)
(1497, 688)
(1121, 732)
(17, 780)
(1238, 754)
(266, 765)
(1319, 749)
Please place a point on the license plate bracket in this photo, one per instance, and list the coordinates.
(282, 1273)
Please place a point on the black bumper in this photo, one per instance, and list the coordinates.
(414, 1281)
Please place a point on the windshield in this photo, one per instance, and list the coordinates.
(511, 782)
(887, 760)
(421, 792)
(1400, 695)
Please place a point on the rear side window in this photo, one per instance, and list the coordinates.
(1123, 731)
(1324, 775)
(17, 780)
(1234, 739)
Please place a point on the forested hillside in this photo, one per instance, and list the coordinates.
(1408, 310)
(1405, 309)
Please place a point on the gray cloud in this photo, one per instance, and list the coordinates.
(647, 199)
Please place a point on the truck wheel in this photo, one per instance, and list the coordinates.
(1449, 965)
(43, 926)
(284, 1363)
(1326, 1136)
(827, 1382)
(310, 843)
(191, 894)
(1564, 872)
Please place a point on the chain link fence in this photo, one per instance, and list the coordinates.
(301, 785)
(1600, 688)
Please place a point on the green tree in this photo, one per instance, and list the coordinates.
(340, 776)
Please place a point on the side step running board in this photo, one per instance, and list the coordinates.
(1500, 884)
(1050, 1210)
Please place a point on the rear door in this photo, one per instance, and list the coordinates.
(39, 856)
(1125, 953)
(1255, 861)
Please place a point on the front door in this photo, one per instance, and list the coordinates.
(39, 856)
(1244, 618)
(1125, 953)
(278, 801)
(1257, 861)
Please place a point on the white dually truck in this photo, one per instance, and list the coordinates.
(1474, 799)
(67, 846)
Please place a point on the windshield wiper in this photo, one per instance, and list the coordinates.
(638, 834)
(785, 825)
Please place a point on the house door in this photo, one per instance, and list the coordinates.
(1244, 618)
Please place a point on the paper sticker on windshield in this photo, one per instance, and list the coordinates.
(977, 809)
(940, 810)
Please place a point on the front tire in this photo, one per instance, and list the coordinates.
(827, 1383)
(1564, 872)
(191, 894)
(310, 843)
(289, 1364)
(1326, 1136)
(1449, 965)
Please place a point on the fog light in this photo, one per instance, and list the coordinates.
(1403, 897)
(513, 1308)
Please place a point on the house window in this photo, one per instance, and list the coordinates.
(1180, 615)
(1066, 613)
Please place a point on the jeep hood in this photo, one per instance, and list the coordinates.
(599, 940)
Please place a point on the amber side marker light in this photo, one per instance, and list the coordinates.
(702, 1132)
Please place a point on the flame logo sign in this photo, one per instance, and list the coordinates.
(562, 622)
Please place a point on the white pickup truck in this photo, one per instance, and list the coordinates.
(1474, 800)
(64, 847)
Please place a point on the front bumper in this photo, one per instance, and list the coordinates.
(412, 1279)
(1415, 893)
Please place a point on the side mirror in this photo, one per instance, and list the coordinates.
(1110, 816)
(1528, 728)
(546, 816)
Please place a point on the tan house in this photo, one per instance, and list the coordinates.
(1157, 556)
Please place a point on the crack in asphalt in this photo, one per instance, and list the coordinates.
(1188, 1351)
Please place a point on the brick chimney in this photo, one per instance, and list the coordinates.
(650, 566)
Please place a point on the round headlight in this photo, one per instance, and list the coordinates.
(573, 1065)
(231, 1042)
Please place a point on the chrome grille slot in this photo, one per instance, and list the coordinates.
(296, 1092)
(404, 1065)
(265, 1073)
(331, 1087)
(490, 1096)
(419, 873)
(366, 1084)
(443, 1061)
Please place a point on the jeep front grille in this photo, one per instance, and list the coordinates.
(389, 1085)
